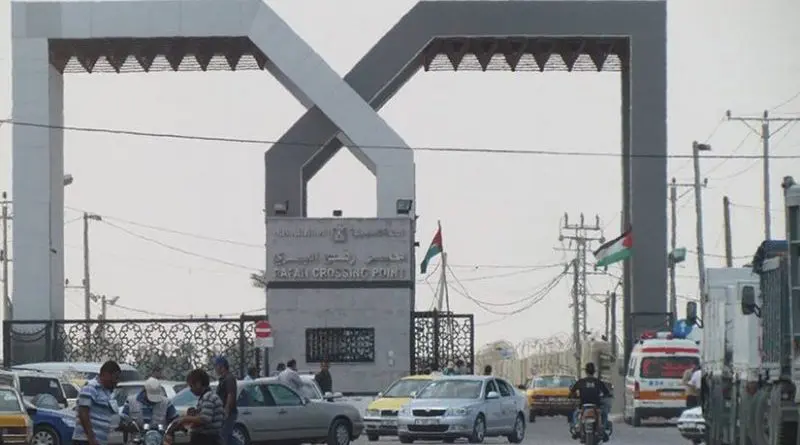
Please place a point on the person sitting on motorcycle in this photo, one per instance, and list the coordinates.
(591, 391)
(150, 405)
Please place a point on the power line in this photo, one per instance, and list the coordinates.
(529, 301)
(755, 163)
(183, 315)
(479, 150)
(717, 255)
(710, 136)
(178, 249)
(786, 101)
(183, 233)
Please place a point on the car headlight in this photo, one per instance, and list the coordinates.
(458, 412)
(372, 413)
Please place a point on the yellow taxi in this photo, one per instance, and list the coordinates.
(380, 419)
(548, 395)
(15, 423)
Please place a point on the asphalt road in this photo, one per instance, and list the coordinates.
(553, 431)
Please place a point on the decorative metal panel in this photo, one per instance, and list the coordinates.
(441, 338)
(340, 345)
(175, 346)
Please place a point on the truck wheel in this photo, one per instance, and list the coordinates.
(636, 419)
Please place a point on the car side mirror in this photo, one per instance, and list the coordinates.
(749, 305)
(31, 411)
(413, 394)
(492, 395)
(379, 395)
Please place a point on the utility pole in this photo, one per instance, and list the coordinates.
(105, 302)
(765, 133)
(726, 216)
(87, 285)
(698, 203)
(576, 315)
(675, 256)
(613, 310)
(7, 307)
(580, 236)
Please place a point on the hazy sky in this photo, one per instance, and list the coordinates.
(496, 210)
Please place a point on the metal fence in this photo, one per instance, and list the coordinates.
(439, 339)
(174, 346)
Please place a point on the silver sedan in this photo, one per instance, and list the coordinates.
(271, 411)
(474, 407)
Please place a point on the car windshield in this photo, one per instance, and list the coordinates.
(45, 401)
(310, 390)
(122, 393)
(9, 402)
(124, 376)
(452, 389)
(184, 398)
(667, 367)
(552, 381)
(31, 386)
(70, 390)
(404, 387)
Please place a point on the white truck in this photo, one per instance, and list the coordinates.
(751, 333)
(730, 350)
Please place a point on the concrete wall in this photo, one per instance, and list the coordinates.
(292, 311)
(342, 273)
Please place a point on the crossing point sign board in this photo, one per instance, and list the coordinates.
(263, 331)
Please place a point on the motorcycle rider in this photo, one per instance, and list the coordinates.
(150, 405)
(591, 390)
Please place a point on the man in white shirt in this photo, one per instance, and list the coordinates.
(290, 377)
(695, 386)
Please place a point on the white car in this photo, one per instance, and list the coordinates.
(127, 389)
(692, 425)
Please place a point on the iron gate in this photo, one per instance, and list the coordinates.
(440, 338)
(174, 346)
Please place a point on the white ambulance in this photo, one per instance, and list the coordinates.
(653, 384)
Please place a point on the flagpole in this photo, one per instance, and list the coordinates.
(442, 274)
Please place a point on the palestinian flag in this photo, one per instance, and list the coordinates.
(435, 249)
(616, 250)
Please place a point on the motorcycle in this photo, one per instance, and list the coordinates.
(146, 434)
(591, 430)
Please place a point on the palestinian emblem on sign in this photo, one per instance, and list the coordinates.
(339, 234)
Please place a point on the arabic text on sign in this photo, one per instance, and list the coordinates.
(340, 274)
(327, 233)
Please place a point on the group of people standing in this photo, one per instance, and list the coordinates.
(211, 422)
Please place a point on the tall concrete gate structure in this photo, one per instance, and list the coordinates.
(51, 38)
(628, 36)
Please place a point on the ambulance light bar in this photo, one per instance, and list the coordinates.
(648, 335)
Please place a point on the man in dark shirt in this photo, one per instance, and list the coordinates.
(227, 392)
(591, 390)
(324, 378)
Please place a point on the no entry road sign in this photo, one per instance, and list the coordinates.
(263, 331)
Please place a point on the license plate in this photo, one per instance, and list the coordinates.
(389, 422)
(426, 421)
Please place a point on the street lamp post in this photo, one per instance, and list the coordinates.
(87, 285)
